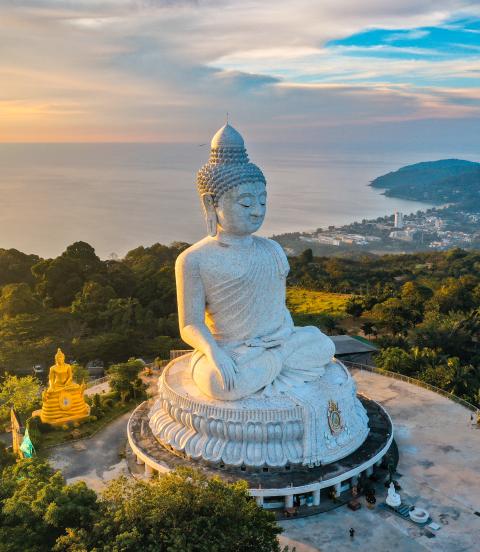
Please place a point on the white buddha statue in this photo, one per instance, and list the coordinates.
(393, 498)
(231, 289)
(257, 390)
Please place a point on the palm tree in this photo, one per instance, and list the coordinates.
(368, 328)
(465, 380)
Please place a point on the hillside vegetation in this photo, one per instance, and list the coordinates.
(306, 301)
(93, 309)
(422, 310)
(444, 181)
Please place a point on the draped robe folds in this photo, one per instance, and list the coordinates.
(247, 316)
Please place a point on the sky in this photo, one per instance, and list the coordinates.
(339, 74)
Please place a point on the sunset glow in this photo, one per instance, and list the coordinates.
(134, 71)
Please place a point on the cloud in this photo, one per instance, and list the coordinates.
(168, 71)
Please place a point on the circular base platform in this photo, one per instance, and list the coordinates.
(269, 485)
(309, 424)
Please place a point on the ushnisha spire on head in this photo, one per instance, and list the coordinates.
(228, 165)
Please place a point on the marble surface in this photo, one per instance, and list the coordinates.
(312, 425)
(231, 291)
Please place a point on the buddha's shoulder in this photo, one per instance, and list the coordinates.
(193, 255)
(276, 251)
(270, 244)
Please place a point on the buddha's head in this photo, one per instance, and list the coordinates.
(232, 190)
(59, 358)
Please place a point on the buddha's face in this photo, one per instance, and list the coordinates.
(241, 210)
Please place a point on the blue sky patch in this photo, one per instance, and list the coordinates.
(453, 39)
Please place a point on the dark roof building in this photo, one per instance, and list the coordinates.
(353, 349)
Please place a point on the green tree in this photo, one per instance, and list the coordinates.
(15, 267)
(7, 458)
(21, 393)
(354, 306)
(415, 295)
(91, 303)
(80, 373)
(97, 409)
(36, 506)
(465, 379)
(439, 376)
(84, 255)
(124, 379)
(307, 256)
(108, 346)
(59, 281)
(18, 299)
(29, 339)
(182, 511)
(454, 295)
(395, 359)
(329, 323)
(368, 328)
(394, 315)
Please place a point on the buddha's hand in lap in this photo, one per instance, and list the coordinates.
(225, 366)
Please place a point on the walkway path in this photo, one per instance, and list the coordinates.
(102, 457)
(100, 388)
(95, 460)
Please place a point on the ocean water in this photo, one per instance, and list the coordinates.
(119, 196)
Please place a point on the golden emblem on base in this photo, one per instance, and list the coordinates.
(63, 400)
(334, 418)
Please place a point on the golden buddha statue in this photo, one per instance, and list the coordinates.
(63, 400)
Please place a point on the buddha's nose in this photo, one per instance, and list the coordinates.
(257, 211)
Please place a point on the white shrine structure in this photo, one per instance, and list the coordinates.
(257, 396)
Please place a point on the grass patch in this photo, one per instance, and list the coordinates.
(302, 301)
(58, 436)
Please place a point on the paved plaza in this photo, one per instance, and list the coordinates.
(439, 467)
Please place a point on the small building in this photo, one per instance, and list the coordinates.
(96, 368)
(353, 349)
(328, 240)
(398, 220)
(403, 235)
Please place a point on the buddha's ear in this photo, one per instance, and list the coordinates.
(210, 214)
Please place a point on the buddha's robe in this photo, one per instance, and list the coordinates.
(247, 316)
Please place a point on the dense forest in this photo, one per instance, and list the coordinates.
(109, 310)
(422, 310)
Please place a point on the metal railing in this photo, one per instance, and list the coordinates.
(97, 381)
(175, 353)
(413, 381)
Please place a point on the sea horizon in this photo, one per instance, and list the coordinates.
(121, 195)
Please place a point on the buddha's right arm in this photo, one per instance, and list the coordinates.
(191, 319)
(191, 306)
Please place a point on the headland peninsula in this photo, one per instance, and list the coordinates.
(453, 185)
